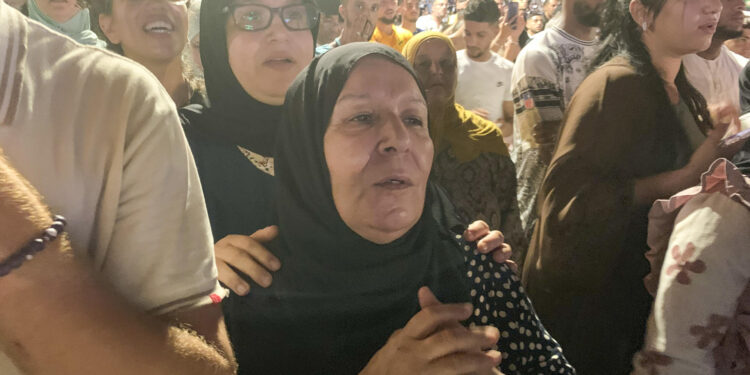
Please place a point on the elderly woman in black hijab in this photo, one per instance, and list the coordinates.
(363, 231)
(250, 58)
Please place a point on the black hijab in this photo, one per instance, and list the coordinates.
(338, 296)
(233, 115)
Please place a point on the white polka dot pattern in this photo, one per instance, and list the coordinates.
(499, 300)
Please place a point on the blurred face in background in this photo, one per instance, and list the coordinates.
(387, 11)
(550, 7)
(409, 10)
(731, 20)
(535, 24)
(478, 37)
(741, 45)
(435, 65)
(439, 8)
(329, 28)
(681, 27)
(360, 14)
(266, 61)
(149, 31)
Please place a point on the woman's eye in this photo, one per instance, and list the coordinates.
(364, 118)
(414, 121)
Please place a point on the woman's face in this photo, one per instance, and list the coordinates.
(59, 10)
(435, 65)
(265, 62)
(149, 31)
(684, 26)
(378, 151)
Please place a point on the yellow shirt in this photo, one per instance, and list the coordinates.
(396, 40)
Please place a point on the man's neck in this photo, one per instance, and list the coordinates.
(409, 25)
(385, 28)
(571, 26)
(438, 20)
(170, 76)
(713, 52)
(484, 57)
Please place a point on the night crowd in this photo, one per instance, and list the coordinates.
(374, 187)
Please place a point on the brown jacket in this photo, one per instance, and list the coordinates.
(585, 263)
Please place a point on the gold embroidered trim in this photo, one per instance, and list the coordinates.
(264, 163)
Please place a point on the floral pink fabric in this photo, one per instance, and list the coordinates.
(700, 278)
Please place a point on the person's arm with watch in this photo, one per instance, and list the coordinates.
(58, 317)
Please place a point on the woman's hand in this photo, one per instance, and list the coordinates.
(490, 242)
(723, 117)
(248, 255)
(434, 342)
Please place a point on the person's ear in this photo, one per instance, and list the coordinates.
(105, 23)
(639, 14)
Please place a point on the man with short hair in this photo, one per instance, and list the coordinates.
(386, 32)
(715, 72)
(330, 21)
(549, 8)
(434, 20)
(409, 11)
(484, 76)
(545, 75)
(100, 139)
(360, 17)
(534, 24)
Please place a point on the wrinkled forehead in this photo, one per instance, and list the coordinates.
(434, 49)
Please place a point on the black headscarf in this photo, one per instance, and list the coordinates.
(338, 296)
(233, 115)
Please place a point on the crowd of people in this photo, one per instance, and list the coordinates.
(374, 187)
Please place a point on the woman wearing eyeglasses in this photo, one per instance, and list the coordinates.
(154, 34)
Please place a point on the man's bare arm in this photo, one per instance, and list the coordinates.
(57, 317)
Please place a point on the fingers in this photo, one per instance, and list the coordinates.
(457, 339)
(243, 262)
(503, 254)
(492, 241)
(252, 246)
(465, 363)
(476, 231)
(231, 279)
(266, 234)
(430, 319)
(426, 298)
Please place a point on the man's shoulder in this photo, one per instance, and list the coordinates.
(735, 60)
(501, 62)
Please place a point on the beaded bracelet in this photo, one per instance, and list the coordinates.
(34, 246)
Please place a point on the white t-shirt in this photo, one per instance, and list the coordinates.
(719, 79)
(427, 23)
(100, 139)
(485, 84)
(545, 75)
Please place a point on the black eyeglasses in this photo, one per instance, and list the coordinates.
(256, 17)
